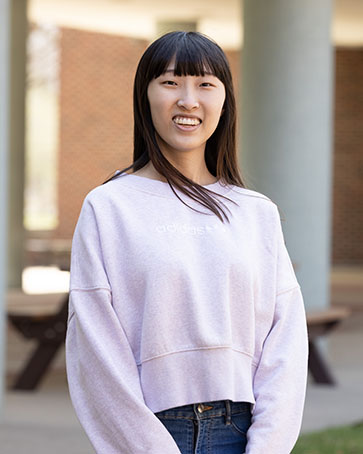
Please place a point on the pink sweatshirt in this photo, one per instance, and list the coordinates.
(170, 307)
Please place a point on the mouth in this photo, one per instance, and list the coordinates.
(186, 121)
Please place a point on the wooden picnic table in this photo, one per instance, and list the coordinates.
(44, 318)
(319, 324)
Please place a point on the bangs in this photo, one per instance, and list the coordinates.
(194, 54)
(191, 64)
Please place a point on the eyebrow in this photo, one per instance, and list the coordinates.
(208, 73)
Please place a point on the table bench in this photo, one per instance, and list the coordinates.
(321, 323)
(42, 318)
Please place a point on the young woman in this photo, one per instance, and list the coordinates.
(187, 331)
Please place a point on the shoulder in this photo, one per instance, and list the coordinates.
(104, 193)
(250, 193)
(254, 200)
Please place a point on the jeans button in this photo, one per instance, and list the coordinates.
(200, 408)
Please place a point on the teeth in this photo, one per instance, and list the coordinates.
(186, 121)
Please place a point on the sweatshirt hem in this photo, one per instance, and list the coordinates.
(201, 375)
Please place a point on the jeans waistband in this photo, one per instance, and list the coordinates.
(203, 410)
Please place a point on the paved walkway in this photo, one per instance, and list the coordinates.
(43, 422)
(328, 406)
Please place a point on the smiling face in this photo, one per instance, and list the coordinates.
(185, 110)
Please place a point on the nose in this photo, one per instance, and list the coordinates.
(188, 99)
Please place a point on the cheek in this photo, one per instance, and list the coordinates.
(215, 105)
(152, 98)
(155, 112)
(222, 100)
(157, 117)
(158, 107)
(214, 119)
(217, 109)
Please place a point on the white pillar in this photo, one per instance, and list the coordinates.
(13, 29)
(17, 64)
(4, 147)
(286, 127)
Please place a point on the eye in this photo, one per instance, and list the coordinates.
(206, 84)
(169, 82)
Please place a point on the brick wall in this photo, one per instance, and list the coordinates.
(97, 73)
(96, 122)
(348, 158)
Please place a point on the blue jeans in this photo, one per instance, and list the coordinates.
(217, 427)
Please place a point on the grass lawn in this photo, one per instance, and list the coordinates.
(341, 440)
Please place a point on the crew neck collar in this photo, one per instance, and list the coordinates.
(165, 182)
(162, 187)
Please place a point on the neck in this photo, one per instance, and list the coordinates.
(191, 164)
(194, 169)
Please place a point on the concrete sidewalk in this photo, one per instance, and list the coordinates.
(329, 406)
(44, 422)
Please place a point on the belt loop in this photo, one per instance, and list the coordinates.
(228, 412)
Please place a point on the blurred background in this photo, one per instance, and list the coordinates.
(67, 71)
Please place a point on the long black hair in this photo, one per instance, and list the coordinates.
(194, 54)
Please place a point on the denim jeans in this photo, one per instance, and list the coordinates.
(217, 427)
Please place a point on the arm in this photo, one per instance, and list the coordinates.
(102, 372)
(281, 374)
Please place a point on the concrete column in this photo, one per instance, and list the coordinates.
(286, 127)
(4, 147)
(17, 40)
(13, 28)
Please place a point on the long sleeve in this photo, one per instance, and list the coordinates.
(102, 372)
(281, 374)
